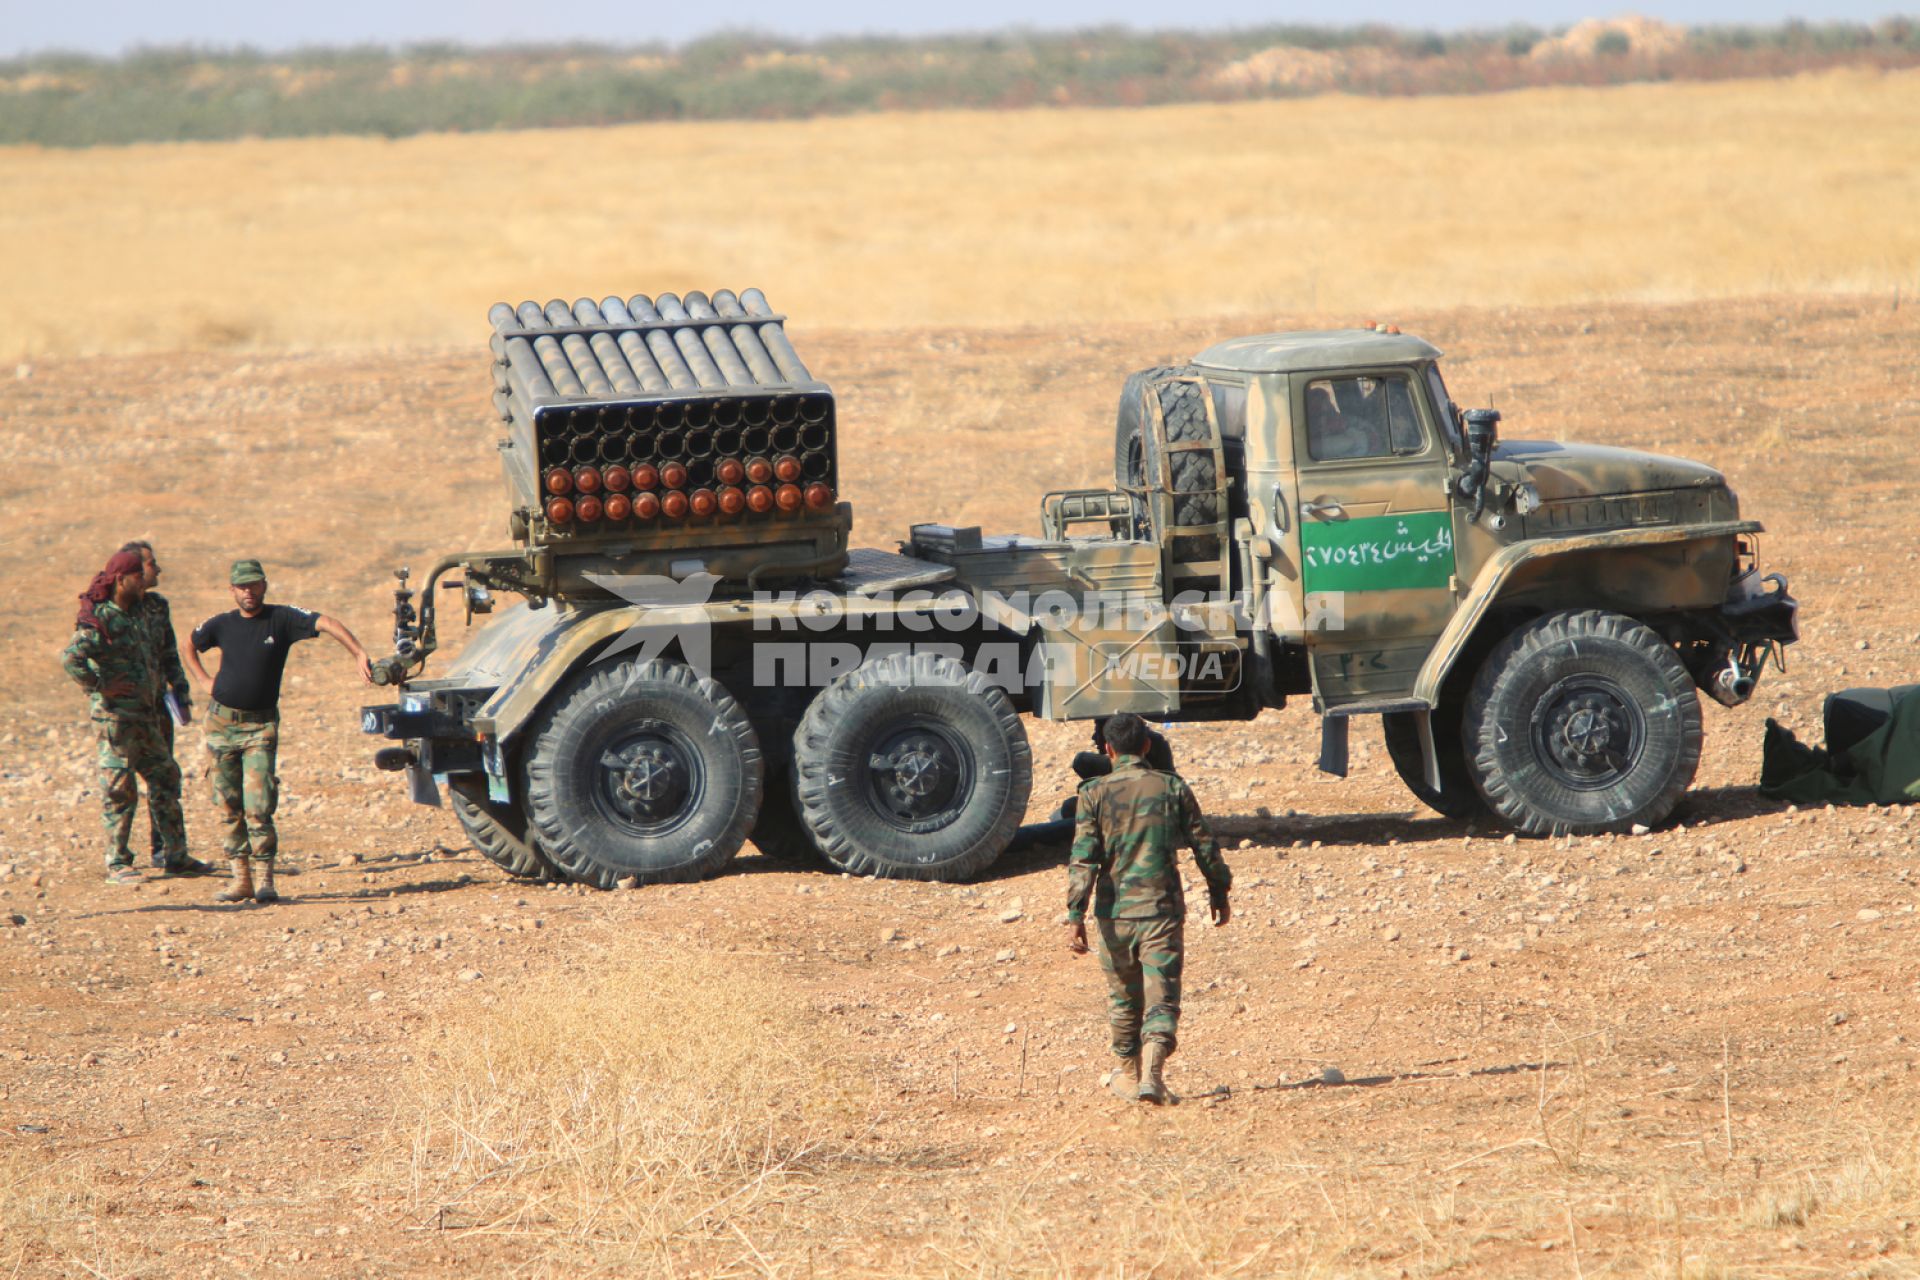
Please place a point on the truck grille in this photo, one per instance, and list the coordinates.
(1577, 515)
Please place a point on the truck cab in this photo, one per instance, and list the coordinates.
(1330, 524)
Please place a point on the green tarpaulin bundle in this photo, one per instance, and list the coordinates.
(1872, 754)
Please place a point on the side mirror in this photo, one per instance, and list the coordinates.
(1482, 429)
(1482, 432)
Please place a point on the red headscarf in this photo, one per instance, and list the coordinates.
(101, 588)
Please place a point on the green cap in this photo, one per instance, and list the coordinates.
(245, 571)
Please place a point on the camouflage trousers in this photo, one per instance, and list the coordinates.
(157, 845)
(241, 769)
(139, 745)
(1142, 959)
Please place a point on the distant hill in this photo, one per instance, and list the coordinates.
(194, 94)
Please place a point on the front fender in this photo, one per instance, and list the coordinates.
(1524, 560)
(536, 659)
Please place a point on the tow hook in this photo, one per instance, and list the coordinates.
(394, 759)
(1732, 685)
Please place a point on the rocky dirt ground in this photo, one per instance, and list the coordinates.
(1685, 1052)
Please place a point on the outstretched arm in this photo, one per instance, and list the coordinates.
(338, 630)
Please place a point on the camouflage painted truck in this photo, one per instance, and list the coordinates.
(699, 659)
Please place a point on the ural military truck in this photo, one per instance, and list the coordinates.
(699, 658)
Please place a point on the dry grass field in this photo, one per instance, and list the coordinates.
(1081, 218)
(1689, 1054)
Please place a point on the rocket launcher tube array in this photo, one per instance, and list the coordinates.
(684, 405)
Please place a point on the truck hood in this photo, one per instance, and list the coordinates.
(1562, 471)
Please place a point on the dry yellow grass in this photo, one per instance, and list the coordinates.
(46, 1207)
(1549, 1199)
(1049, 217)
(653, 1110)
(635, 1108)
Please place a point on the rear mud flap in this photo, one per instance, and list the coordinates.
(1333, 745)
(423, 789)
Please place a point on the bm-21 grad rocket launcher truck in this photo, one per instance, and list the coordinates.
(698, 658)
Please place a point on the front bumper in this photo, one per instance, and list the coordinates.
(435, 744)
(1761, 609)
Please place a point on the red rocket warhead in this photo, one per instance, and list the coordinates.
(645, 506)
(619, 507)
(645, 476)
(587, 479)
(787, 470)
(703, 503)
(559, 481)
(788, 497)
(732, 501)
(616, 478)
(674, 505)
(674, 476)
(730, 471)
(760, 499)
(819, 497)
(559, 511)
(589, 509)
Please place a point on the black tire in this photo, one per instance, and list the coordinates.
(1184, 408)
(624, 726)
(1457, 798)
(1129, 456)
(914, 768)
(1583, 722)
(779, 832)
(497, 832)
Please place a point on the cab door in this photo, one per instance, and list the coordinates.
(1376, 530)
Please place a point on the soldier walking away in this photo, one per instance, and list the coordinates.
(157, 616)
(243, 716)
(1127, 830)
(1097, 763)
(110, 657)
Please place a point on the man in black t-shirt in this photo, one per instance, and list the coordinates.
(243, 716)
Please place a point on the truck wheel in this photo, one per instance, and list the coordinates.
(779, 832)
(1583, 722)
(1457, 797)
(1129, 447)
(912, 767)
(648, 770)
(499, 833)
(1183, 406)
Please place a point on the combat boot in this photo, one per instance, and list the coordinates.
(263, 882)
(1125, 1080)
(1153, 1056)
(241, 890)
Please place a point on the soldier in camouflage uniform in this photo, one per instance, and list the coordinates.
(112, 658)
(157, 617)
(243, 717)
(1127, 830)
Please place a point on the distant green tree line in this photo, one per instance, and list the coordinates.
(182, 94)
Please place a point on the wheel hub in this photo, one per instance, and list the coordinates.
(1588, 732)
(648, 779)
(915, 774)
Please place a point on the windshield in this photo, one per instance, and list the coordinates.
(1444, 411)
